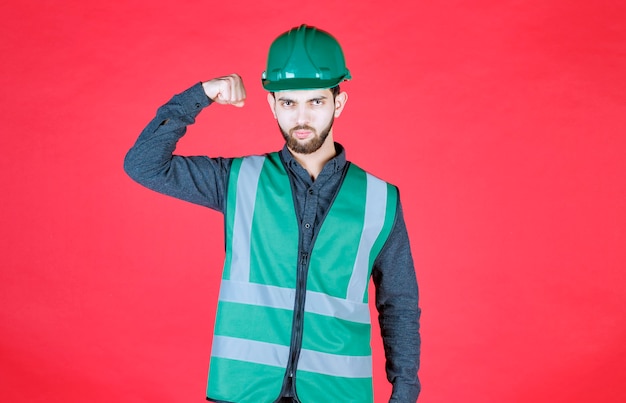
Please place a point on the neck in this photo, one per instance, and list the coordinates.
(314, 162)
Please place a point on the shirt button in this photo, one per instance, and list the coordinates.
(310, 191)
(307, 225)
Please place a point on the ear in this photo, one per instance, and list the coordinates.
(340, 102)
(271, 100)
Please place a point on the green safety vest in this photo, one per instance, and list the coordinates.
(283, 313)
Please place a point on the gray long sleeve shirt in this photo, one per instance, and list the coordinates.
(203, 180)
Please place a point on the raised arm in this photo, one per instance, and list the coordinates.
(197, 179)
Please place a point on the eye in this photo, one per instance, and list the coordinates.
(286, 103)
(317, 102)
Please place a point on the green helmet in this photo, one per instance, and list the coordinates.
(304, 58)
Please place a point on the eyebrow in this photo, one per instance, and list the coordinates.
(321, 97)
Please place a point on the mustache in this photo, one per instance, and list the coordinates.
(301, 127)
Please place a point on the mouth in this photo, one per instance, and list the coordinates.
(302, 134)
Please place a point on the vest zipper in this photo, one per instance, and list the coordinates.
(289, 383)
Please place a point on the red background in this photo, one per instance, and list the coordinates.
(502, 122)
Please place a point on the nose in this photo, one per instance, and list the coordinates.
(304, 116)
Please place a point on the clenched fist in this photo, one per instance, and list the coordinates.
(227, 90)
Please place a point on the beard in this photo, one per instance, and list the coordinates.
(308, 146)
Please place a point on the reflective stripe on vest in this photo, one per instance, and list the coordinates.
(257, 293)
(273, 354)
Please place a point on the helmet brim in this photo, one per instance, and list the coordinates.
(293, 84)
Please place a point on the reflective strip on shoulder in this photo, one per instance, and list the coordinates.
(247, 183)
(375, 209)
(276, 355)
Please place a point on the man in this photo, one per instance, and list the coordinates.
(305, 230)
